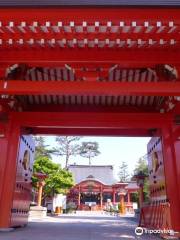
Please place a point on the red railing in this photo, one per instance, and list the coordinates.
(155, 217)
(128, 205)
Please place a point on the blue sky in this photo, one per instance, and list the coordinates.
(113, 150)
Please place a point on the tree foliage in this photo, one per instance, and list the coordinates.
(67, 146)
(58, 181)
(42, 148)
(89, 150)
(123, 172)
(142, 166)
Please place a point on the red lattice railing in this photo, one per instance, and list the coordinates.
(155, 217)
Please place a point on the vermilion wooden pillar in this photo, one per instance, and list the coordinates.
(8, 160)
(79, 197)
(171, 176)
(177, 151)
(122, 203)
(176, 139)
(3, 152)
(141, 196)
(114, 196)
(129, 197)
(101, 197)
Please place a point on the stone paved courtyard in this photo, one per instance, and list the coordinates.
(80, 226)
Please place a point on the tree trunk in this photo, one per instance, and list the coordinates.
(89, 160)
(67, 160)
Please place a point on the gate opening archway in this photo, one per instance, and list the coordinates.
(90, 71)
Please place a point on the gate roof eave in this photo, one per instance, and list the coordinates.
(120, 3)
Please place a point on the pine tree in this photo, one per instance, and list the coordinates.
(41, 149)
(141, 166)
(89, 150)
(123, 173)
(67, 146)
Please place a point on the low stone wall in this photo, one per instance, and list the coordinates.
(37, 212)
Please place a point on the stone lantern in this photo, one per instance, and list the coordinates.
(122, 192)
(39, 211)
(140, 178)
(41, 183)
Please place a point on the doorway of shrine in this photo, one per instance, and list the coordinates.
(90, 198)
(16, 191)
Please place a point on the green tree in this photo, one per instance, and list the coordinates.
(58, 181)
(89, 150)
(67, 146)
(123, 172)
(142, 166)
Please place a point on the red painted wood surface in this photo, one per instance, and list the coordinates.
(90, 44)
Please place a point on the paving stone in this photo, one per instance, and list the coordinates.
(79, 226)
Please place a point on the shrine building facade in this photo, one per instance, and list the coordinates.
(96, 186)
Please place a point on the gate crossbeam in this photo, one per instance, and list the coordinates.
(17, 87)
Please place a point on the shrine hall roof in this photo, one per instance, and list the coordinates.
(100, 173)
(128, 185)
(132, 185)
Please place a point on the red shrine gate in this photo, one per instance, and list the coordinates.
(89, 71)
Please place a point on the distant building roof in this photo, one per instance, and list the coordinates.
(103, 173)
(90, 176)
(132, 186)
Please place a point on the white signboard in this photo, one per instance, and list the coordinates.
(59, 200)
(135, 206)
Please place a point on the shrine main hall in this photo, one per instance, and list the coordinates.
(96, 186)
